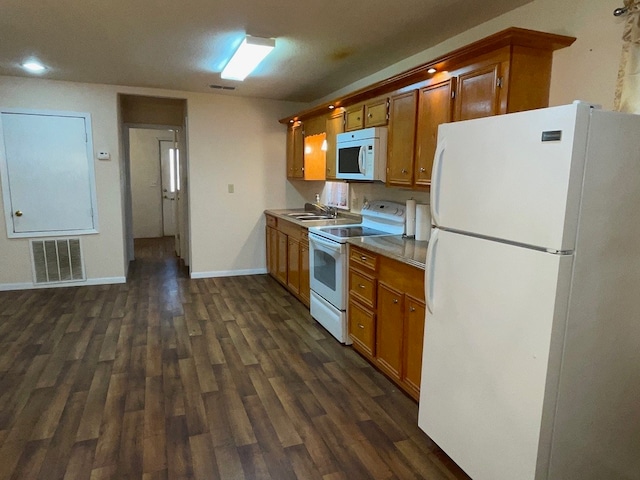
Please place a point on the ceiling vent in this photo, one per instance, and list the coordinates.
(57, 261)
(222, 87)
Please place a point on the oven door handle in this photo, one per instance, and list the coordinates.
(334, 246)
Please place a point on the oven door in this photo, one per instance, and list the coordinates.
(328, 269)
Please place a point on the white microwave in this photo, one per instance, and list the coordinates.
(362, 154)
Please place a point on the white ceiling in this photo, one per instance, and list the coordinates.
(183, 45)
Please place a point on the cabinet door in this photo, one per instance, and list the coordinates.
(402, 127)
(478, 93)
(295, 151)
(305, 289)
(375, 113)
(272, 250)
(435, 106)
(293, 265)
(413, 339)
(354, 118)
(362, 328)
(334, 126)
(314, 157)
(281, 265)
(389, 327)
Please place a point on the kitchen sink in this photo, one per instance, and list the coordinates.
(308, 216)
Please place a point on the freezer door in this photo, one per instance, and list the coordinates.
(487, 352)
(515, 177)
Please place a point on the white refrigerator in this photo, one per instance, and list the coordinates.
(531, 360)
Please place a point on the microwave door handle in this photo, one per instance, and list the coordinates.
(361, 160)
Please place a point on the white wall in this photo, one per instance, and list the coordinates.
(103, 252)
(230, 140)
(587, 70)
(146, 180)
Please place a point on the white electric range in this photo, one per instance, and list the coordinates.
(328, 261)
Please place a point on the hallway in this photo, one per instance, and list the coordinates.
(165, 377)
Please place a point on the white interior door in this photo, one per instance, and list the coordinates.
(169, 168)
(47, 174)
(486, 351)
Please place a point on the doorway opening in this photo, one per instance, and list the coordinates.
(156, 172)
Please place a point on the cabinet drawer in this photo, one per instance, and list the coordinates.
(362, 327)
(362, 287)
(363, 258)
(271, 221)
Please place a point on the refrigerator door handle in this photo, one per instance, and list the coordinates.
(435, 184)
(430, 269)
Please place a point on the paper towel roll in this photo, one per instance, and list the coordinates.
(423, 222)
(410, 218)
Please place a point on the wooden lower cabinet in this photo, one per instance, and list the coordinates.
(293, 265)
(389, 330)
(282, 255)
(414, 314)
(387, 315)
(305, 288)
(288, 256)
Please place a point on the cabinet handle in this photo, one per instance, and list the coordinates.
(363, 258)
(361, 285)
(360, 326)
(404, 170)
(422, 169)
(412, 309)
(395, 300)
(370, 116)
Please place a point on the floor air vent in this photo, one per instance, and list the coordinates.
(56, 261)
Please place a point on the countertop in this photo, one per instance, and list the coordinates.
(344, 218)
(406, 250)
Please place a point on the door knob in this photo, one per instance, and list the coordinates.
(18, 213)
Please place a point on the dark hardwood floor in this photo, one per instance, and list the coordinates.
(170, 378)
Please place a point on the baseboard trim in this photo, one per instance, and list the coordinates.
(6, 287)
(228, 273)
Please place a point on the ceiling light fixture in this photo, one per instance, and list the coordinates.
(33, 66)
(432, 70)
(250, 53)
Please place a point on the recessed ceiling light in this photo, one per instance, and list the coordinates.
(432, 70)
(33, 66)
(331, 107)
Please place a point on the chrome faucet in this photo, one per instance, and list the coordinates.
(327, 210)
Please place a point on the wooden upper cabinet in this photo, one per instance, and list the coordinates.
(334, 126)
(478, 93)
(354, 118)
(401, 139)
(435, 106)
(376, 113)
(314, 157)
(373, 113)
(295, 151)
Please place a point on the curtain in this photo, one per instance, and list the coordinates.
(627, 97)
